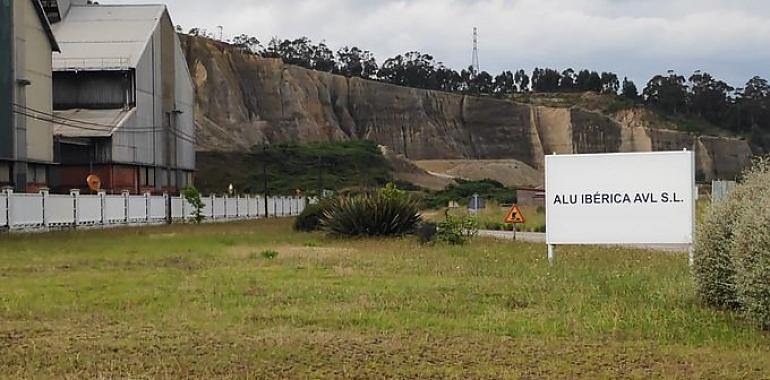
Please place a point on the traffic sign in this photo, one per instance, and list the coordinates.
(515, 216)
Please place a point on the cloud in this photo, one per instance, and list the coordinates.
(637, 38)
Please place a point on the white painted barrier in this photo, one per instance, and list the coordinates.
(89, 210)
(21, 212)
(114, 209)
(157, 207)
(3, 210)
(58, 210)
(26, 211)
(137, 208)
(231, 207)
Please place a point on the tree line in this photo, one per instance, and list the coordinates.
(741, 110)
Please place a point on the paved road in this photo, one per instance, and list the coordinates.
(532, 237)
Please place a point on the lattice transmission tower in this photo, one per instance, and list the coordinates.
(475, 62)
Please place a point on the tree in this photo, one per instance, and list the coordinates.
(629, 90)
(709, 98)
(667, 92)
(567, 83)
(354, 62)
(247, 44)
(447, 79)
(610, 83)
(504, 84)
(412, 69)
(323, 58)
(482, 83)
(522, 80)
(545, 80)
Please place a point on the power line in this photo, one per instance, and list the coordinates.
(132, 131)
(64, 121)
(91, 126)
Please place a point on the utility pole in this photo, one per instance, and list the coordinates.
(221, 32)
(171, 124)
(264, 175)
(320, 177)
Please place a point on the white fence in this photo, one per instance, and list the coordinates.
(19, 212)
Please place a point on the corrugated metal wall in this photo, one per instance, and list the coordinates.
(185, 102)
(136, 142)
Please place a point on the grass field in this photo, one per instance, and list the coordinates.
(203, 302)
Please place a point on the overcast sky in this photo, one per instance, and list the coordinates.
(634, 38)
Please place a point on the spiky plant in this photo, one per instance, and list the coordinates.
(385, 213)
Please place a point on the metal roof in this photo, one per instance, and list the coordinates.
(105, 37)
(80, 122)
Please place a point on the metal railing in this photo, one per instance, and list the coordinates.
(44, 211)
(86, 64)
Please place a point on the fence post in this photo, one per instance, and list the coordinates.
(126, 213)
(184, 214)
(213, 199)
(103, 205)
(167, 206)
(75, 194)
(8, 194)
(147, 207)
(44, 195)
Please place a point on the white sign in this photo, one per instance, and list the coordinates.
(624, 198)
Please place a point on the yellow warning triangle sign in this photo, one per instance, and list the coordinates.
(515, 216)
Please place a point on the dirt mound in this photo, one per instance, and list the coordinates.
(510, 173)
(407, 171)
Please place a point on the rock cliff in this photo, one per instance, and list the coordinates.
(243, 100)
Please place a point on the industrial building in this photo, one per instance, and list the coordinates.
(123, 98)
(26, 137)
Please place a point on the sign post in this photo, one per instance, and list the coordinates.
(622, 198)
(514, 217)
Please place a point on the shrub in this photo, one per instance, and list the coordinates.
(732, 249)
(457, 230)
(751, 245)
(193, 197)
(752, 260)
(387, 213)
(462, 192)
(713, 266)
(310, 218)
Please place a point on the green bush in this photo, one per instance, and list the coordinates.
(462, 192)
(752, 261)
(751, 245)
(457, 230)
(713, 265)
(193, 197)
(732, 249)
(389, 212)
(310, 218)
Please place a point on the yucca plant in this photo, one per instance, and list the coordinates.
(389, 212)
